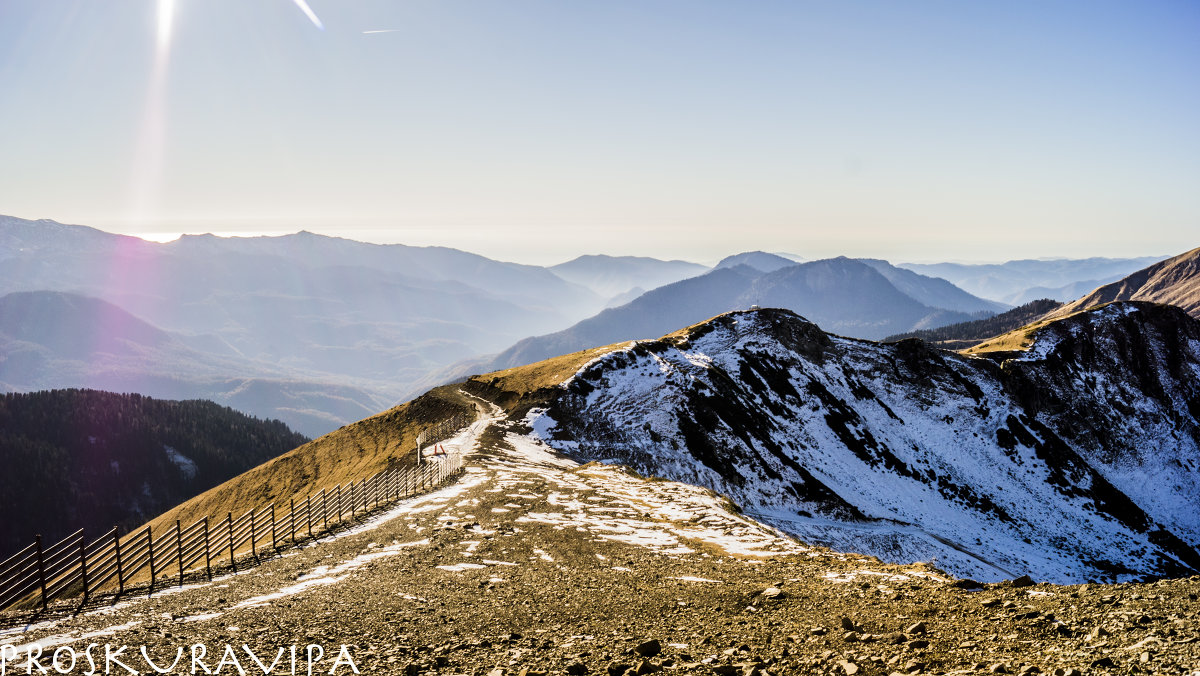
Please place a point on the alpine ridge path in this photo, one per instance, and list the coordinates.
(533, 563)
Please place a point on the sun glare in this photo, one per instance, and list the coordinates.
(166, 17)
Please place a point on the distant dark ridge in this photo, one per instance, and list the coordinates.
(982, 329)
(87, 459)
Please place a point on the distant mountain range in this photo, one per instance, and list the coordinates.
(612, 276)
(54, 340)
(85, 459)
(758, 260)
(1174, 281)
(1020, 281)
(283, 313)
(319, 331)
(842, 295)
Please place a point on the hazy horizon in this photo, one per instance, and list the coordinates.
(550, 260)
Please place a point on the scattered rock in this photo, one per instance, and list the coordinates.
(648, 648)
(1020, 582)
(918, 628)
(646, 667)
(848, 668)
(577, 669)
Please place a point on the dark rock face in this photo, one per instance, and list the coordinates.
(1078, 459)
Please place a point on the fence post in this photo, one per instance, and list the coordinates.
(366, 502)
(83, 565)
(324, 509)
(120, 573)
(41, 569)
(308, 513)
(150, 548)
(273, 545)
(253, 549)
(207, 556)
(232, 563)
(292, 520)
(179, 549)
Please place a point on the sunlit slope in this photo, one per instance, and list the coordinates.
(1175, 281)
(350, 453)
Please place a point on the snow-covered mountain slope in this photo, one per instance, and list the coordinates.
(1077, 459)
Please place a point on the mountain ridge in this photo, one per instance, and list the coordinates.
(787, 418)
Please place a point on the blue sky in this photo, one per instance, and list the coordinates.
(537, 131)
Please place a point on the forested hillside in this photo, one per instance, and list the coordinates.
(87, 459)
(965, 334)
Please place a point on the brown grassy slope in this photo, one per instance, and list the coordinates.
(1175, 281)
(519, 388)
(351, 453)
(1017, 339)
(525, 386)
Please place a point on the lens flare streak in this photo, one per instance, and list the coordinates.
(303, 5)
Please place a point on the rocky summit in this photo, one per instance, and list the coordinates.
(532, 563)
(1074, 459)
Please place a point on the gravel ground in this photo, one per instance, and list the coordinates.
(532, 564)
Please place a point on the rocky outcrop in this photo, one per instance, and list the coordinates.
(1074, 460)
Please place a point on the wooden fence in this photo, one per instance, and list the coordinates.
(75, 566)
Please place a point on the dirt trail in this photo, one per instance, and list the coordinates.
(530, 561)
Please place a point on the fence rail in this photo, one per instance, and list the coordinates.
(73, 566)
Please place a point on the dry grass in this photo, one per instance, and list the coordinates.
(1017, 339)
(1022, 338)
(547, 374)
(351, 453)
(551, 372)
